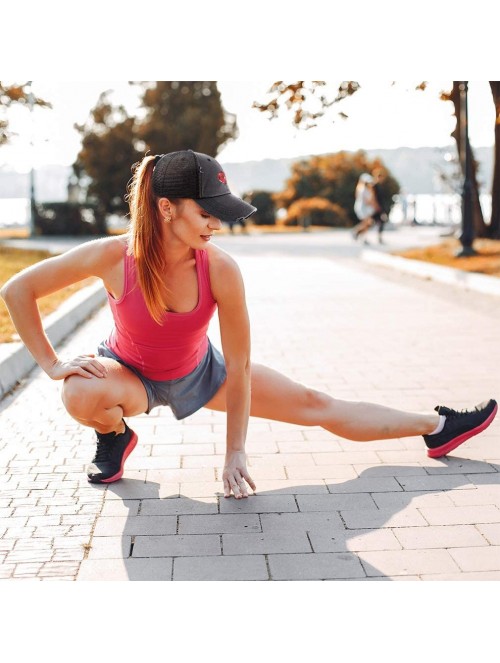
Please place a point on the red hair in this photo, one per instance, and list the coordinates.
(145, 238)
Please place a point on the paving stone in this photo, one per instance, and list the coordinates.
(128, 569)
(370, 519)
(364, 485)
(461, 515)
(239, 567)
(335, 502)
(179, 506)
(322, 472)
(437, 482)
(398, 501)
(265, 543)
(446, 536)
(259, 504)
(477, 558)
(292, 487)
(490, 532)
(192, 545)
(219, 524)
(407, 562)
(473, 576)
(316, 566)
(121, 508)
(109, 547)
(337, 540)
(135, 525)
(304, 522)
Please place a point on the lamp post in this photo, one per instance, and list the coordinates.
(31, 100)
(467, 236)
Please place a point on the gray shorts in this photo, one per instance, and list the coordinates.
(184, 395)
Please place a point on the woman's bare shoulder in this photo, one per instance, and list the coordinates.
(224, 271)
(220, 259)
(106, 250)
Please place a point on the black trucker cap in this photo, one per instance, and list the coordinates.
(188, 174)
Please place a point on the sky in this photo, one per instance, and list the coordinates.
(381, 115)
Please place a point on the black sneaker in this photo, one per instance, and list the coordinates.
(459, 427)
(112, 451)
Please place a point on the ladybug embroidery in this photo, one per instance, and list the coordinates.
(222, 178)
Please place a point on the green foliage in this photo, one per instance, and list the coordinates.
(109, 148)
(64, 218)
(175, 115)
(266, 209)
(183, 115)
(333, 178)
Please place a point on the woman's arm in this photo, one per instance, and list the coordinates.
(229, 292)
(22, 291)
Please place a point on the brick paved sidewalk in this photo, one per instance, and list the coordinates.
(326, 508)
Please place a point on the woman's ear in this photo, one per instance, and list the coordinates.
(165, 207)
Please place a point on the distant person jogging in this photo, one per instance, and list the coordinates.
(165, 280)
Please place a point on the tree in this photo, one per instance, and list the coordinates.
(316, 212)
(480, 228)
(10, 95)
(184, 115)
(296, 95)
(333, 178)
(307, 100)
(266, 210)
(175, 115)
(494, 228)
(109, 148)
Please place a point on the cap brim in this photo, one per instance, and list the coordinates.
(227, 208)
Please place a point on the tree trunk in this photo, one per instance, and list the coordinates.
(494, 228)
(480, 228)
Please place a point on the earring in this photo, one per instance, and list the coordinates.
(167, 219)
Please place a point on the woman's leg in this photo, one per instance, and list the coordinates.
(362, 227)
(274, 396)
(101, 403)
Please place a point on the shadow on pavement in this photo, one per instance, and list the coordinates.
(176, 533)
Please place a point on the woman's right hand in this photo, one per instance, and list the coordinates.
(84, 365)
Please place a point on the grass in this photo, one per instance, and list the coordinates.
(13, 261)
(487, 260)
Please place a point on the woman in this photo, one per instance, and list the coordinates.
(164, 281)
(365, 205)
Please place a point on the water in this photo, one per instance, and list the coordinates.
(424, 208)
(14, 212)
(434, 208)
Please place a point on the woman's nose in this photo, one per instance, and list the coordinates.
(214, 223)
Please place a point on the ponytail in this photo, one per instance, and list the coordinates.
(145, 244)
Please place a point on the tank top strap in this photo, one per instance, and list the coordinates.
(130, 274)
(204, 272)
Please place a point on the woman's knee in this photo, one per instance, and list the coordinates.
(80, 395)
(315, 402)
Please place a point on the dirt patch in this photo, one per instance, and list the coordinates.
(487, 260)
(13, 261)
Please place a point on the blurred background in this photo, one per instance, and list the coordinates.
(294, 148)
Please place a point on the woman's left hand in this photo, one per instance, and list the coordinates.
(235, 475)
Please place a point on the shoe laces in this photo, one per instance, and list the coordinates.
(449, 413)
(104, 446)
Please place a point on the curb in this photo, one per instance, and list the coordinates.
(15, 360)
(489, 285)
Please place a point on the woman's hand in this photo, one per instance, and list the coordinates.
(235, 475)
(84, 365)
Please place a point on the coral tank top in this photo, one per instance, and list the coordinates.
(161, 352)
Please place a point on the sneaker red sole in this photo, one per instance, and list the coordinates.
(460, 439)
(128, 450)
